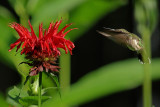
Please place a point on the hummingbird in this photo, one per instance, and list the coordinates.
(126, 39)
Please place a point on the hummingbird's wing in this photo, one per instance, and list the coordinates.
(120, 36)
(116, 30)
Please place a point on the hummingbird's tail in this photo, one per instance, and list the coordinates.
(142, 60)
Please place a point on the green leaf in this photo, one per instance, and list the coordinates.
(32, 4)
(18, 5)
(3, 101)
(55, 79)
(109, 79)
(9, 58)
(17, 93)
(32, 100)
(20, 96)
(13, 102)
(5, 13)
(76, 11)
(88, 13)
(27, 78)
(47, 11)
(44, 90)
(146, 14)
(5, 18)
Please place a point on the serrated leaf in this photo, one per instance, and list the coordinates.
(32, 100)
(17, 93)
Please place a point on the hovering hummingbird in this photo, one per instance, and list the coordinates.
(127, 39)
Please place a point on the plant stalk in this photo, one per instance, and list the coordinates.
(39, 89)
(147, 91)
(147, 82)
(65, 71)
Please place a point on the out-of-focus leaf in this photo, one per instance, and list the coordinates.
(51, 9)
(104, 81)
(32, 100)
(5, 13)
(82, 13)
(3, 101)
(6, 39)
(146, 14)
(87, 14)
(19, 7)
(5, 18)
(15, 2)
(33, 4)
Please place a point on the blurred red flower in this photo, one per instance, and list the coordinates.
(42, 51)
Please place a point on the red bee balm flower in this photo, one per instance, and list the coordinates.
(43, 51)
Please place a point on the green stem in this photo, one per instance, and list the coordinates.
(147, 82)
(39, 89)
(65, 71)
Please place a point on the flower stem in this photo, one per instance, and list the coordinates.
(147, 81)
(39, 89)
(65, 71)
(147, 91)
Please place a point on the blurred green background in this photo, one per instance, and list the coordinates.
(102, 72)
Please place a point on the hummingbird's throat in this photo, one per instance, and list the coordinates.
(136, 44)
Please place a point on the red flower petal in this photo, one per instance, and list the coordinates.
(46, 45)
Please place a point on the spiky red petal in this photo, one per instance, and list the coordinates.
(47, 43)
(43, 50)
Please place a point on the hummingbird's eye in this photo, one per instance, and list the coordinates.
(140, 43)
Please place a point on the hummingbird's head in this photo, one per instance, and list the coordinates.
(137, 44)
